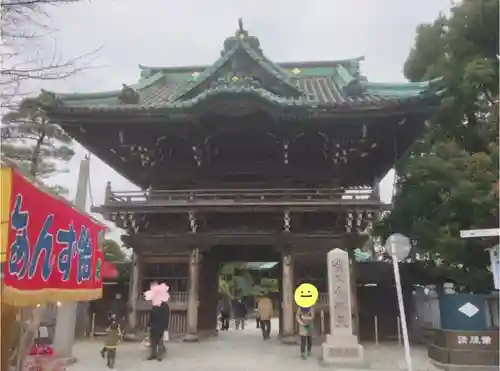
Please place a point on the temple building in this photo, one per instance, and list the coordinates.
(247, 160)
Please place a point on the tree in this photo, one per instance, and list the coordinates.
(445, 183)
(25, 56)
(35, 144)
(39, 147)
(113, 252)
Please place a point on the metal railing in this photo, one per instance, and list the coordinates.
(323, 299)
(238, 195)
(179, 297)
(177, 322)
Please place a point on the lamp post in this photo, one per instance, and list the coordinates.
(399, 247)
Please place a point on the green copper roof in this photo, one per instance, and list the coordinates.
(243, 69)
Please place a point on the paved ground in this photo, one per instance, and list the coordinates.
(236, 351)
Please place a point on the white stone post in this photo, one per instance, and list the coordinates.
(193, 303)
(341, 346)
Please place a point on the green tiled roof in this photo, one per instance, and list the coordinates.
(243, 69)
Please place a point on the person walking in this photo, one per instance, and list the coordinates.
(305, 318)
(265, 312)
(113, 335)
(225, 312)
(240, 313)
(158, 324)
(109, 321)
(119, 309)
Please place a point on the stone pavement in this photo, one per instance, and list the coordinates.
(236, 351)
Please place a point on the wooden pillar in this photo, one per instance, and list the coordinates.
(194, 283)
(287, 299)
(208, 297)
(134, 292)
(9, 333)
(280, 285)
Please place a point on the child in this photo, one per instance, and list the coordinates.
(305, 318)
(113, 335)
(111, 318)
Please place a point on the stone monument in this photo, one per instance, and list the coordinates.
(341, 346)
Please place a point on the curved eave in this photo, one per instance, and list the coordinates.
(106, 96)
(403, 90)
(205, 75)
(271, 68)
(366, 103)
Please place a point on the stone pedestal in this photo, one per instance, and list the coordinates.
(341, 346)
(342, 350)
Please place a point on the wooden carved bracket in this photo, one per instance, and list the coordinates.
(192, 222)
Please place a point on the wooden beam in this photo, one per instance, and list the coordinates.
(164, 258)
(228, 206)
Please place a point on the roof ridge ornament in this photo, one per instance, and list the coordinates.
(128, 95)
(241, 33)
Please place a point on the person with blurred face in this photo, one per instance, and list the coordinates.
(265, 311)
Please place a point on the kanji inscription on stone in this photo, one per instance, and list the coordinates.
(338, 267)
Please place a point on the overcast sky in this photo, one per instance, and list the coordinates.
(191, 32)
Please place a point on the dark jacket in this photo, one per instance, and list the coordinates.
(118, 308)
(159, 319)
(113, 335)
(239, 309)
(225, 305)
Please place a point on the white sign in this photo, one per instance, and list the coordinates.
(469, 309)
(398, 245)
(495, 265)
(473, 339)
(475, 233)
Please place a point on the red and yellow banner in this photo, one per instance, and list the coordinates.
(49, 251)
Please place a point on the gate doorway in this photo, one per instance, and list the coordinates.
(238, 275)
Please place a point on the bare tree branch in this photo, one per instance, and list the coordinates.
(24, 54)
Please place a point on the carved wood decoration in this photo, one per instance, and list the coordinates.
(348, 221)
(285, 151)
(192, 222)
(287, 221)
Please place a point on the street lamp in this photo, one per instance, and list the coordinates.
(399, 247)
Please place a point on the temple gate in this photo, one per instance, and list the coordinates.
(243, 160)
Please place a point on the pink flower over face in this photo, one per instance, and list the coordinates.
(157, 294)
